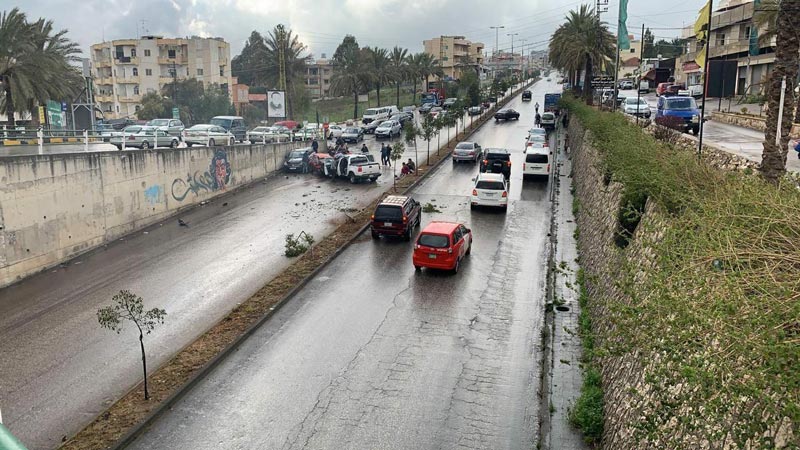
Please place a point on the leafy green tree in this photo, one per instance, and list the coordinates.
(129, 307)
(413, 71)
(470, 88)
(196, 103)
(154, 106)
(398, 64)
(395, 155)
(648, 51)
(428, 131)
(410, 134)
(250, 66)
(35, 64)
(252, 115)
(350, 76)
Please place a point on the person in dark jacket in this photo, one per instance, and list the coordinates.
(315, 145)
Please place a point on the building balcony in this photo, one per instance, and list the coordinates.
(102, 63)
(127, 60)
(131, 99)
(178, 60)
(165, 79)
(131, 79)
(103, 98)
(104, 81)
(728, 49)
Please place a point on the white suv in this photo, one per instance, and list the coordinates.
(537, 162)
(491, 189)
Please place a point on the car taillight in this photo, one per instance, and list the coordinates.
(509, 164)
(545, 145)
(505, 194)
(405, 219)
(529, 144)
(523, 166)
(548, 168)
(416, 247)
(485, 162)
(372, 217)
(474, 192)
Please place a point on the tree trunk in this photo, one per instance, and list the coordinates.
(355, 105)
(587, 81)
(378, 87)
(144, 365)
(415, 90)
(398, 94)
(9, 102)
(773, 159)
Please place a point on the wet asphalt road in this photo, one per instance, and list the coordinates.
(372, 355)
(58, 369)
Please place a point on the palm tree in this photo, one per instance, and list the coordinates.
(766, 18)
(583, 41)
(787, 57)
(381, 73)
(287, 76)
(414, 71)
(429, 66)
(34, 63)
(398, 64)
(349, 74)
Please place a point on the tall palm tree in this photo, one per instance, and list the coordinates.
(398, 64)
(287, 76)
(582, 42)
(381, 73)
(349, 74)
(34, 63)
(429, 66)
(787, 57)
(414, 70)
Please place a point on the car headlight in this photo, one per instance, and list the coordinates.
(695, 118)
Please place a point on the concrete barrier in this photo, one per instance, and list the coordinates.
(55, 207)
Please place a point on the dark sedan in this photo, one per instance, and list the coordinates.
(506, 114)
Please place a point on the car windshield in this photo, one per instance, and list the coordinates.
(548, 116)
(500, 156)
(465, 145)
(351, 130)
(537, 138)
(224, 123)
(681, 104)
(490, 185)
(159, 122)
(387, 212)
(296, 154)
(633, 101)
(370, 112)
(135, 129)
(433, 240)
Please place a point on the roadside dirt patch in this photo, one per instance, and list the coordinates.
(130, 410)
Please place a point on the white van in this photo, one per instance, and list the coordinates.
(537, 162)
(380, 113)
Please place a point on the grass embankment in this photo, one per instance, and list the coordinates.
(341, 109)
(717, 320)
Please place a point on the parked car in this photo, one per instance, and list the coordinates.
(402, 117)
(496, 160)
(435, 111)
(537, 131)
(527, 95)
(355, 167)
(442, 245)
(467, 151)
(143, 137)
(269, 134)
(661, 89)
(491, 189)
(548, 121)
(388, 130)
(352, 135)
(290, 124)
(684, 109)
(506, 114)
(337, 130)
(626, 85)
(207, 134)
(537, 162)
(172, 127)
(636, 107)
(408, 109)
(675, 89)
(396, 215)
(448, 102)
(475, 110)
(644, 87)
(380, 113)
(297, 160)
(426, 108)
(234, 124)
(536, 140)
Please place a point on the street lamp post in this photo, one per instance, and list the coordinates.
(496, 44)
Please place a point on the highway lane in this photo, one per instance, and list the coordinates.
(373, 355)
(58, 369)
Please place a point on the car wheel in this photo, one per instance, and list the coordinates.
(407, 234)
(145, 145)
(375, 235)
(211, 142)
(173, 144)
(417, 268)
(419, 219)
(233, 141)
(472, 207)
(457, 266)
(469, 249)
(119, 147)
(353, 178)
(189, 144)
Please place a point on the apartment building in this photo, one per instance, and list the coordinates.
(629, 62)
(126, 69)
(455, 54)
(318, 77)
(731, 25)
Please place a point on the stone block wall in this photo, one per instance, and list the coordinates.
(55, 207)
(757, 123)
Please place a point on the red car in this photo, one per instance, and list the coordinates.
(442, 245)
(661, 89)
(290, 124)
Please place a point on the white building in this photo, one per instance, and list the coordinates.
(126, 69)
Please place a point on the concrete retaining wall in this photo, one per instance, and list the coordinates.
(746, 121)
(54, 207)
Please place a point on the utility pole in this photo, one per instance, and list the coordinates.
(638, 91)
(512, 41)
(705, 80)
(496, 46)
(524, 61)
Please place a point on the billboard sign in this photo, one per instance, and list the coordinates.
(55, 116)
(276, 104)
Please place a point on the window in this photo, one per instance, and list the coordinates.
(136, 90)
(135, 72)
(147, 53)
(117, 108)
(222, 71)
(170, 53)
(633, 50)
(148, 72)
(137, 108)
(199, 72)
(720, 39)
(445, 58)
(133, 53)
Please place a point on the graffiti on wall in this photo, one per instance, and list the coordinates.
(153, 194)
(216, 178)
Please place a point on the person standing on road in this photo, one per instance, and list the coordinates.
(385, 159)
(538, 120)
(536, 106)
(314, 145)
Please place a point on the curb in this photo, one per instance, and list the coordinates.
(173, 398)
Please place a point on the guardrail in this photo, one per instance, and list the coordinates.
(41, 136)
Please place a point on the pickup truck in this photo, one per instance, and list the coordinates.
(355, 167)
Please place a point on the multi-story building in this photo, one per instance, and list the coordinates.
(629, 62)
(455, 54)
(731, 25)
(506, 61)
(318, 77)
(126, 69)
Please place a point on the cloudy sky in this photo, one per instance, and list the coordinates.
(322, 24)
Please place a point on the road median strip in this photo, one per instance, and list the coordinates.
(125, 419)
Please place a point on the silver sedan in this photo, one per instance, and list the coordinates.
(209, 135)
